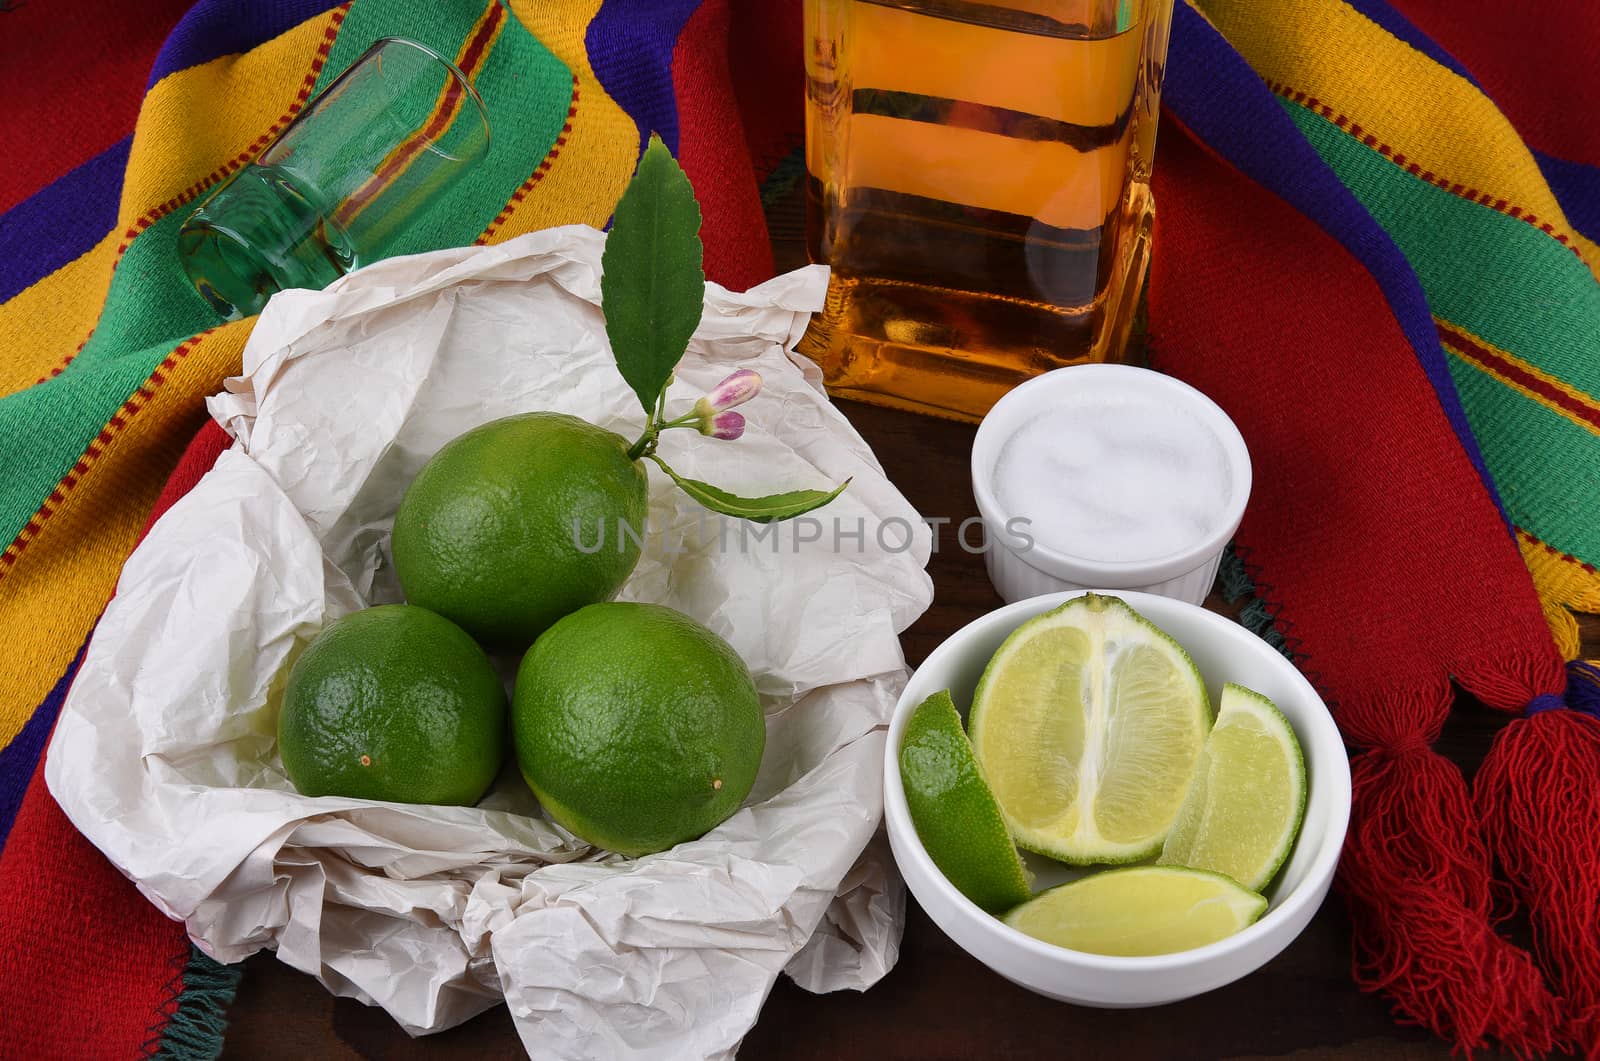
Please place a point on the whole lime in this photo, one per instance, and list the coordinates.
(519, 522)
(636, 727)
(393, 703)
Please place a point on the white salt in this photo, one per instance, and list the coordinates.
(1115, 479)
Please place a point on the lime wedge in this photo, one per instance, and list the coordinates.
(954, 811)
(1249, 794)
(1139, 911)
(1088, 723)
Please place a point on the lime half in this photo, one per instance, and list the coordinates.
(1249, 794)
(1088, 723)
(1139, 911)
(955, 813)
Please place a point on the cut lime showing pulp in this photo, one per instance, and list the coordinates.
(1249, 794)
(954, 812)
(1088, 723)
(1139, 911)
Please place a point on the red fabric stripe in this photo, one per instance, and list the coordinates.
(1360, 507)
(769, 75)
(443, 114)
(96, 992)
(1536, 63)
(85, 960)
(1497, 364)
(72, 75)
(1365, 514)
(711, 149)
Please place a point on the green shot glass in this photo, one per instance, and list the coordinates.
(340, 183)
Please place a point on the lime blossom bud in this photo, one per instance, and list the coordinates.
(726, 426)
(737, 389)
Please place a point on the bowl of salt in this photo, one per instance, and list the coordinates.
(1108, 477)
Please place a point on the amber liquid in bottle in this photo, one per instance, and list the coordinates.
(978, 180)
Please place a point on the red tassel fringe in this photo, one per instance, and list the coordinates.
(1538, 796)
(1416, 877)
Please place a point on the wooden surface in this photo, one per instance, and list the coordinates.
(937, 1003)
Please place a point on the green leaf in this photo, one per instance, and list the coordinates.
(652, 283)
(767, 509)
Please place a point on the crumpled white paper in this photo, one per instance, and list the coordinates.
(165, 753)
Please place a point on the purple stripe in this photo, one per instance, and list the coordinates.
(61, 221)
(630, 45)
(1212, 90)
(214, 28)
(1403, 29)
(1577, 188)
(19, 758)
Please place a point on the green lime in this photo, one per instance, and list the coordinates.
(636, 727)
(1138, 911)
(1244, 808)
(519, 522)
(956, 816)
(393, 703)
(1088, 722)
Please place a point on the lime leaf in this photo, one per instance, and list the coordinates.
(652, 283)
(767, 509)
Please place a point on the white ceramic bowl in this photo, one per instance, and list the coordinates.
(1020, 573)
(1225, 652)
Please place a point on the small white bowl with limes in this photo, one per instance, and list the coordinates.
(1185, 885)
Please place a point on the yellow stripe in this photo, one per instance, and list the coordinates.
(202, 119)
(42, 325)
(1564, 585)
(191, 125)
(1432, 116)
(587, 174)
(52, 598)
(1488, 368)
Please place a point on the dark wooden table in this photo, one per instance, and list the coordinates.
(937, 1003)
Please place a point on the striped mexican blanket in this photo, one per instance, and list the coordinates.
(106, 354)
(1375, 247)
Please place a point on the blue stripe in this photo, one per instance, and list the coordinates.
(61, 221)
(1402, 28)
(630, 45)
(19, 758)
(1212, 90)
(1577, 188)
(214, 28)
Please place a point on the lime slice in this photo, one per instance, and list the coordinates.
(1139, 911)
(954, 811)
(1088, 723)
(1249, 794)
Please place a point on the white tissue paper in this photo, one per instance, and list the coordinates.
(165, 754)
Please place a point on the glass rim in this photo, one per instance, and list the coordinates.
(454, 71)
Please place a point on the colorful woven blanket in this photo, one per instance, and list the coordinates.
(1374, 247)
(106, 354)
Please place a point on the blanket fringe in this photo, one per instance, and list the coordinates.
(1416, 876)
(1538, 797)
(1416, 871)
(198, 1012)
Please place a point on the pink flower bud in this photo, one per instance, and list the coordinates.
(726, 426)
(737, 389)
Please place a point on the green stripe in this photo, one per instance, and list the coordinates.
(151, 308)
(1546, 467)
(1518, 289)
(1494, 275)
